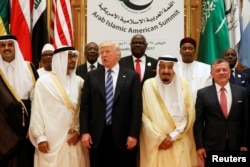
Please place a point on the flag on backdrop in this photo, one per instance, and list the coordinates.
(52, 18)
(62, 23)
(244, 47)
(232, 12)
(214, 38)
(20, 26)
(39, 29)
(4, 18)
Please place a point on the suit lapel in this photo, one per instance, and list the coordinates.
(101, 81)
(85, 70)
(131, 63)
(120, 81)
(214, 96)
(238, 78)
(233, 90)
(147, 68)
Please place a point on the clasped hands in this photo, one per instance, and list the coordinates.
(166, 143)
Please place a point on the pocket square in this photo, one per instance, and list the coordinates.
(239, 101)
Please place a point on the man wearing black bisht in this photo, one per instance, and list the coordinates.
(17, 81)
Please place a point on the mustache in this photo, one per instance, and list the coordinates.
(165, 73)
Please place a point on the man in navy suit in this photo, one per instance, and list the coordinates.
(148, 64)
(215, 130)
(237, 77)
(91, 53)
(111, 142)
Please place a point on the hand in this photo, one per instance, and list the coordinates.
(201, 153)
(86, 140)
(131, 142)
(243, 149)
(75, 137)
(166, 143)
(43, 147)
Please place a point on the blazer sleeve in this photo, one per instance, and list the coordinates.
(199, 120)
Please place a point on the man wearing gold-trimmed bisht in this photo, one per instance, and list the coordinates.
(166, 137)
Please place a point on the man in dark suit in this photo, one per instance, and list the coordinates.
(91, 53)
(220, 127)
(111, 138)
(237, 77)
(148, 64)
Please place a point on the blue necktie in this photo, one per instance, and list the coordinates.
(109, 97)
(231, 79)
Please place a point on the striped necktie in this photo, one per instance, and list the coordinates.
(109, 97)
(92, 67)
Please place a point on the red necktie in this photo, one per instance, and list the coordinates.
(223, 101)
(138, 67)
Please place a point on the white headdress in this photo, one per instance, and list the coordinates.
(59, 67)
(23, 81)
(171, 93)
(47, 47)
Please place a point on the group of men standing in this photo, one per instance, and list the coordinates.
(167, 111)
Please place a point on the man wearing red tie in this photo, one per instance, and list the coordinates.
(144, 65)
(221, 115)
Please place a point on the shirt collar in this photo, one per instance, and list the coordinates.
(95, 64)
(226, 87)
(115, 69)
(143, 58)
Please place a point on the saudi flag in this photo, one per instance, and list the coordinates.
(4, 21)
(214, 38)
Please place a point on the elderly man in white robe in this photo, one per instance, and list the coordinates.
(46, 59)
(166, 137)
(197, 73)
(54, 126)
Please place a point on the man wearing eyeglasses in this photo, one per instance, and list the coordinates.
(46, 58)
(54, 125)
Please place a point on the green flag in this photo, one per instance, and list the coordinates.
(214, 38)
(4, 21)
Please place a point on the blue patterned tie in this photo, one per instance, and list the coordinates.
(109, 97)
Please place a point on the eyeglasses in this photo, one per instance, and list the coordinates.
(47, 54)
(72, 56)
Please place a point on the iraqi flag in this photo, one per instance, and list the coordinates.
(39, 29)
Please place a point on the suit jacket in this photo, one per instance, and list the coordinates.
(211, 127)
(81, 70)
(150, 69)
(241, 79)
(127, 106)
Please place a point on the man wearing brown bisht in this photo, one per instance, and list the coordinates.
(17, 81)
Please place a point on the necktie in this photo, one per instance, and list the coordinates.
(138, 67)
(109, 97)
(223, 101)
(92, 67)
(231, 79)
